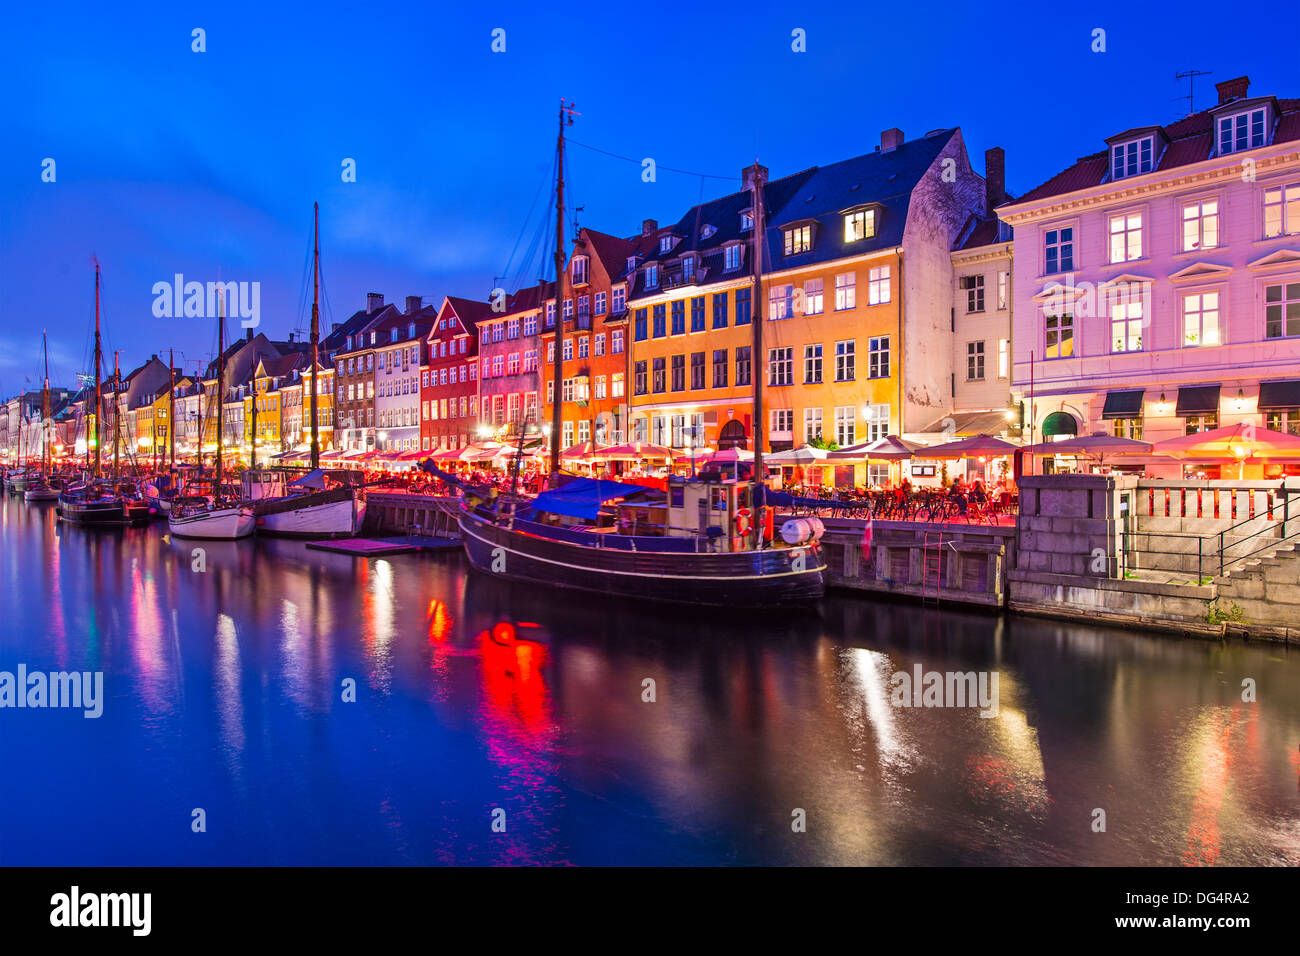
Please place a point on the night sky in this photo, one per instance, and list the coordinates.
(173, 161)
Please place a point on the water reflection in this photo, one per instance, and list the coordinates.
(224, 679)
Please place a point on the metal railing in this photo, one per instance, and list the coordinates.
(1274, 535)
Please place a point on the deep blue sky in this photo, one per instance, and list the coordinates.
(173, 161)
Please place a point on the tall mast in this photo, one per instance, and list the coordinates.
(252, 463)
(557, 405)
(315, 331)
(99, 397)
(756, 363)
(221, 388)
(45, 408)
(171, 409)
(117, 408)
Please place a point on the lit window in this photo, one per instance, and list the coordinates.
(878, 286)
(1126, 237)
(1282, 211)
(1200, 225)
(1201, 319)
(859, 225)
(798, 240)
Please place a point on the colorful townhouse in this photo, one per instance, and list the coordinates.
(354, 366)
(593, 388)
(857, 290)
(449, 378)
(398, 350)
(509, 354)
(1157, 281)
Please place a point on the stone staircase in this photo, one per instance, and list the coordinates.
(1266, 587)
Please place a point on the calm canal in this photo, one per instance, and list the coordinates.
(224, 692)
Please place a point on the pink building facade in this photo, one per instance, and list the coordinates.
(1156, 284)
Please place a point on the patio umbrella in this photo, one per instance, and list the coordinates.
(635, 451)
(1239, 442)
(803, 455)
(584, 451)
(888, 448)
(1097, 445)
(977, 446)
(731, 456)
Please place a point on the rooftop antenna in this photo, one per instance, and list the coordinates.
(1190, 76)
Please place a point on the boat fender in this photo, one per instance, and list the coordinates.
(743, 522)
(769, 522)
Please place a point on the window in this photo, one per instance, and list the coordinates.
(620, 301)
(679, 317)
(566, 433)
(567, 350)
(1003, 282)
(584, 311)
(1201, 423)
(974, 286)
(719, 310)
(1004, 358)
(846, 291)
(584, 346)
(550, 315)
(616, 342)
(812, 424)
(679, 373)
(780, 423)
(731, 257)
(639, 325)
(688, 268)
(974, 361)
(1058, 251)
(878, 357)
(1201, 319)
(877, 421)
(878, 285)
(697, 370)
(498, 364)
(550, 392)
(744, 366)
(697, 314)
(640, 429)
(1200, 225)
(1131, 159)
(798, 240)
(512, 329)
(639, 378)
(567, 390)
(845, 360)
(652, 276)
(780, 366)
(660, 321)
(660, 369)
(665, 244)
(616, 385)
(657, 430)
(599, 345)
(743, 307)
(860, 224)
(746, 221)
(845, 423)
(1282, 211)
(1286, 420)
(568, 309)
(512, 364)
(719, 368)
(1282, 310)
(530, 327)
(812, 297)
(1126, 325)
(1126, 237)
(780, 302)
(580, 269)
(812, 364)
(678, 424)
(1243, 131)
(1059, 338)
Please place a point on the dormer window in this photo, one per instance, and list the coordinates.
(1244, 130)
(859, 224)
(688, 268)
(666, 244)
(580, 269)
(798, 240)
(652, 276)
(632, 262)
(731, 257)
(707, 231)
(746, 220)
(1132, 158)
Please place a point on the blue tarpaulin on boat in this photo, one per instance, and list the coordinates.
(782, 499)
(582, 497)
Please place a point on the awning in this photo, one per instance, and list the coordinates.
(962, 424)
(1127, 404)
(1198, 400)
(1060, 423)
(582, 497)
(1279, 395)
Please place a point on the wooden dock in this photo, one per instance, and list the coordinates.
(377, 547)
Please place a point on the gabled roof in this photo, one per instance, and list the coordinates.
(1191, 140)
(469, 311)
(980, 231)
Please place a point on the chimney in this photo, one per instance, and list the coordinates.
(891, 139)
(248, 336)
(995, 178)
(649, 226)
(335, 326)
(374, 301)
(747, 176)
(291, 335)
(1230, 90)
(414, 303)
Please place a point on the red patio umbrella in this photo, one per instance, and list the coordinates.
(977, 446)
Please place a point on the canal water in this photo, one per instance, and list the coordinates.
(502, 724)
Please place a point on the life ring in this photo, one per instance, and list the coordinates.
(742, 522)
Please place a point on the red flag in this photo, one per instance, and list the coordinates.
(866, 541)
